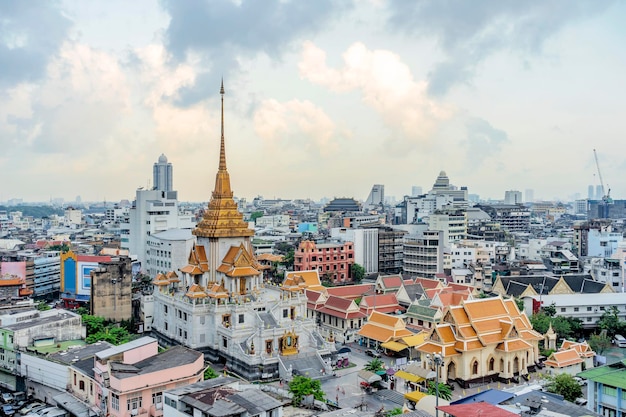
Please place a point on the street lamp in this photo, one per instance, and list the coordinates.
(437, 360)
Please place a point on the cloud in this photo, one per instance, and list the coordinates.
(470, 31)
(387, 86)
(31, 33)
(215, 34)
(296, 124)
(483, 140)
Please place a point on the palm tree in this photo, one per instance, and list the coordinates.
(445, 393)
(374, 365)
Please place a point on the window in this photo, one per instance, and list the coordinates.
(133, 403)
(115, 402)
(81, 385)
(562, 309)
(157, 398)
(588, 308)
(170, 402)
(241, 317)
(610, 391)
(285, 313)
(224, 342)
(575, 308)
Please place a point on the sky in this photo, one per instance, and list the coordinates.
(323, 98)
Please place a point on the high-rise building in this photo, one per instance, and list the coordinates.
(153, 211)
(590, 194)
(529, 195)
(416, 191)
(512, 197)
(376, 197)
(599, 193)
(162, 174)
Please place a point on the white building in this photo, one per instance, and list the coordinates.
(73, 217)
(512, 197)
(453, 225)
(168, 251)
(365, 245)
(153, 211)
(603, 243)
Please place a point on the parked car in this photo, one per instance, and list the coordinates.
(32, 407)
(6, 397)
(35, 409)
(7, 410)
(44, 411)
(373, 353)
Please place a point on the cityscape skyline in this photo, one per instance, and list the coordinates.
(323, 99)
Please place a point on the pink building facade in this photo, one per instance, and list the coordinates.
(131, 378)
(333, 260)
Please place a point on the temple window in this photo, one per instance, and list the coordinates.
(226, 320)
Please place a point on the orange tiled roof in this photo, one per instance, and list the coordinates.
(196, 291)
(485, 308)
(513, 345)
(238, 262)
(350, 291)
(382, 334)
(563, 358)
(385, 319)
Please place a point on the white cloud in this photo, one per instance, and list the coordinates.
(386, 84)
(296, 123)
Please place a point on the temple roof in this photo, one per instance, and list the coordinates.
(222, 218)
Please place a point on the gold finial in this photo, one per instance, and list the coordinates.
(222, 166)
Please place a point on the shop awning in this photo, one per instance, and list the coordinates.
(395, 346)
(408, 376)
(369, 376)
(415, 396)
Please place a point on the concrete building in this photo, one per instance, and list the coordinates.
(163, 175)
(33, 328)
(452, 223)
(606, 389)
(376, 198)
(220, 397)
(131, 378)
(111, 290)
(168, 251)
(512, 218)
(153, 211)
(333, 260)
(513, 197)
(390, 250)
(365, 245)
(603, 243)
(76, 282)
(423, 256)
(73, 218)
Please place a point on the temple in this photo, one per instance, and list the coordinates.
(218, 304)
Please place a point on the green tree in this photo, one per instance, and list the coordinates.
(610, 322)
(43, 306)
(210, 373)
(394, 412)
(255, 215)
(374, 365)
(93, 324)
(599, 342)
(301, 386)
(567, 386)
(288, 259)
(564, 327)
(550, 310)
(445, 392)
(358, 272)
(520, 304)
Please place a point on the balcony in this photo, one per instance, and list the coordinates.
(156, 410)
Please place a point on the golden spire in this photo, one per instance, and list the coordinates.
(222, 147)
(222, 218)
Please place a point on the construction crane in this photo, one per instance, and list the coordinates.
(606, 192)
